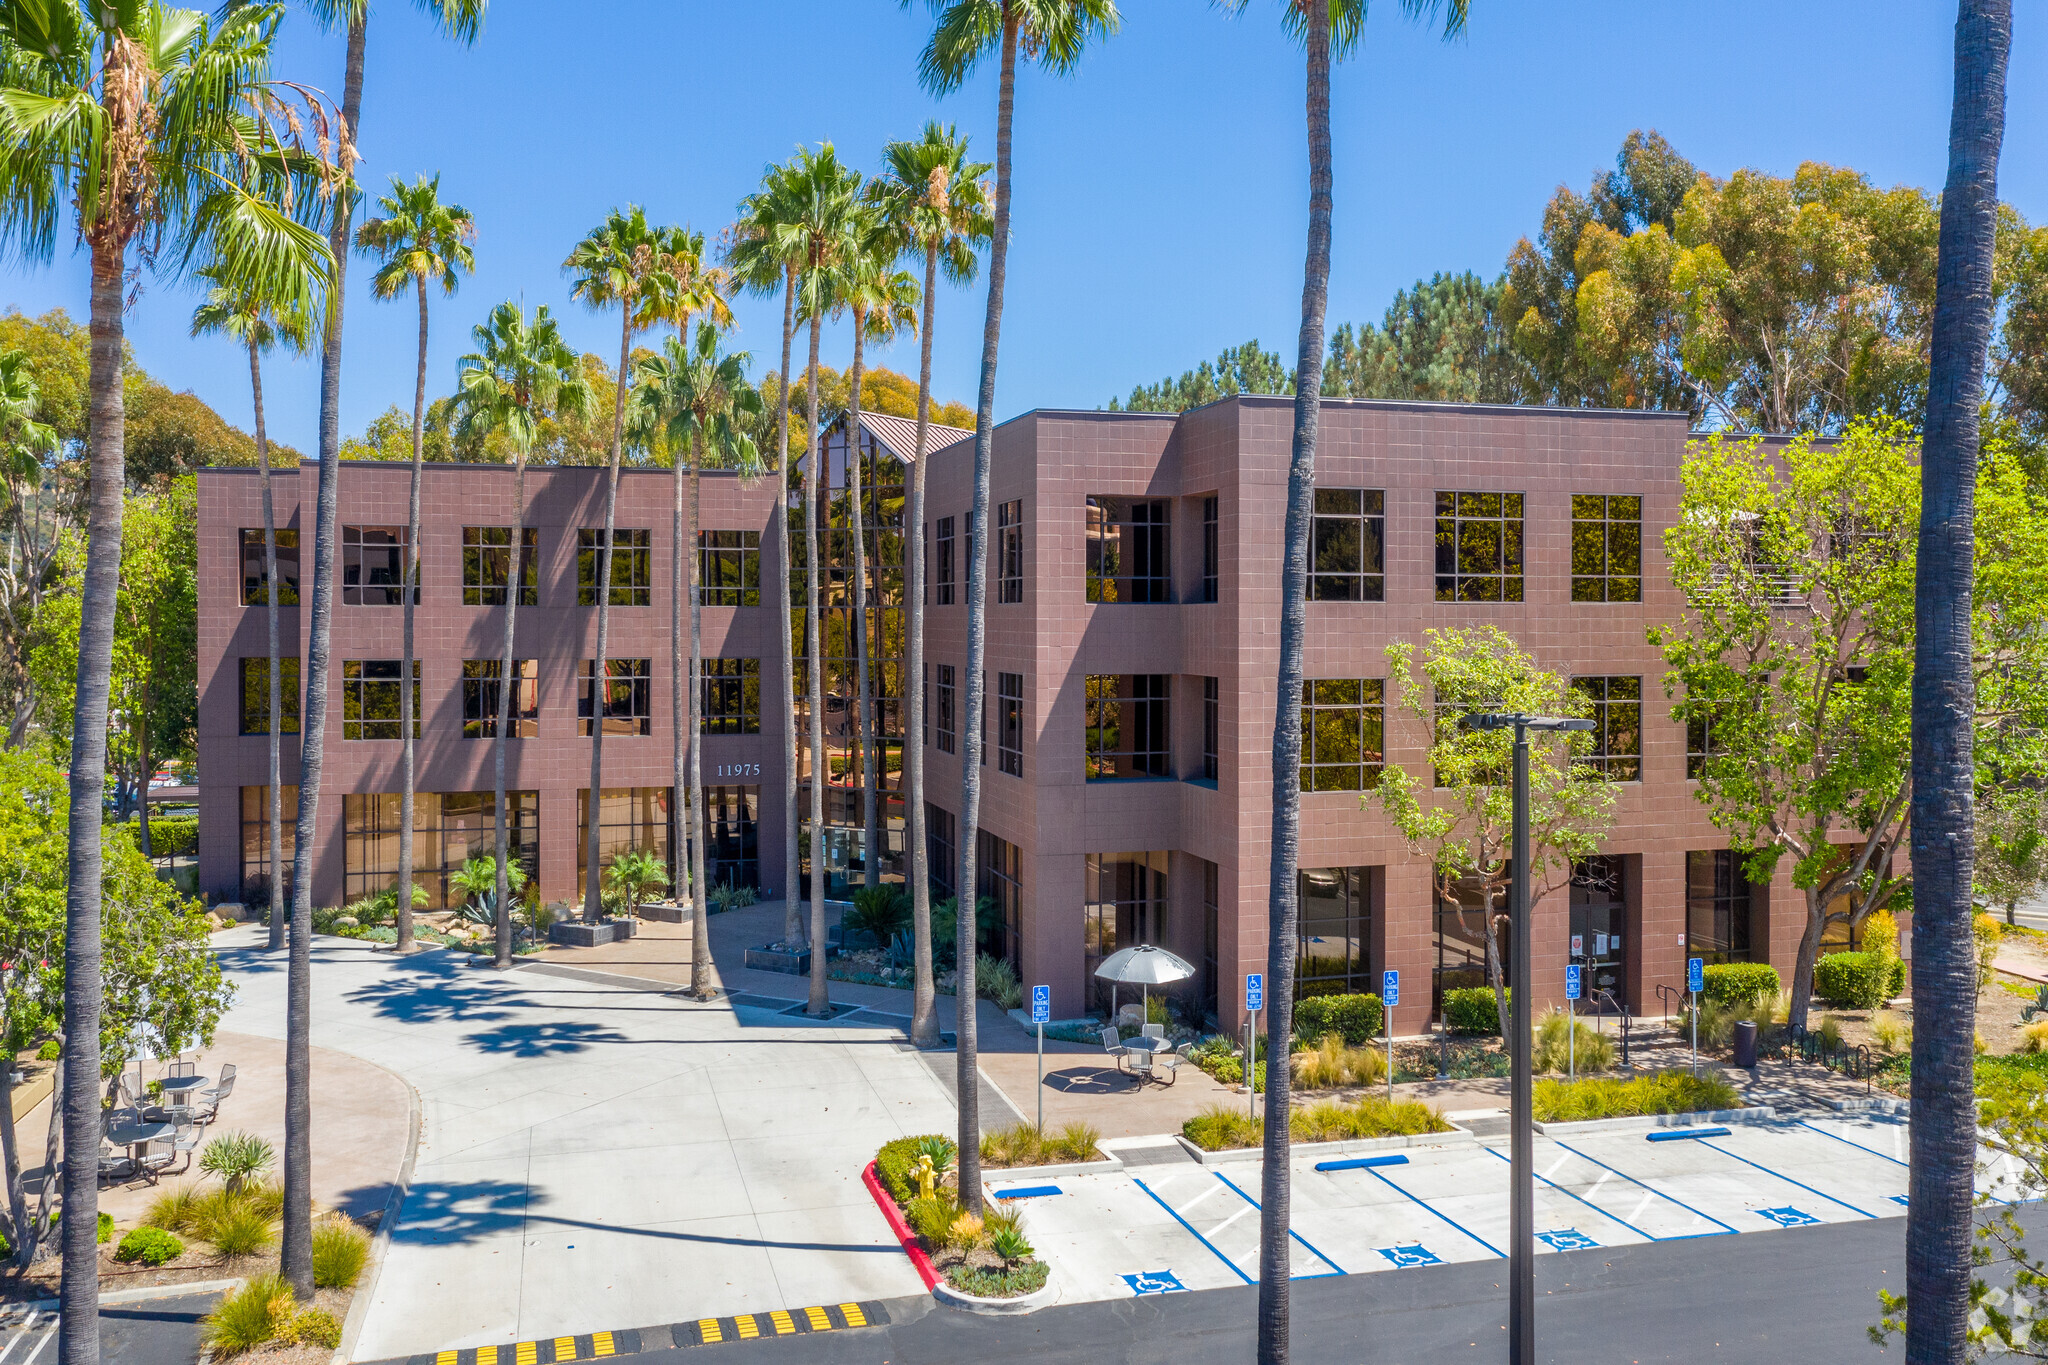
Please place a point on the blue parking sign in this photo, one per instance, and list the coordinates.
(1254, 990)
(1390, 989)
(1571, 981)
(1041, 1004)
(1695, 975)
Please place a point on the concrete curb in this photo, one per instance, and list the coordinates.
(1875, 1104)
(1235, 1155)
(905, 1238)
(366, 1285)
(161, 1291)
(1104, 1167)
(1643, 1123)
(1023, 1303)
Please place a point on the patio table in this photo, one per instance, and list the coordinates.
(137, 1137)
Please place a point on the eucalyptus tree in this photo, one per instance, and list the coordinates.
(519, 373)
(1053, 33)
(259, 324)
(936, 199)
(161, 131)
(883, 301)
(695, 394)
(420, 239)
(644, 270)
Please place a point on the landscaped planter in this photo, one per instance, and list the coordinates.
(575, 933)
(771, 960)
(1105, 1165)
(1643, 1123)
(667, 912)
(1324, 1150)
(970, 1303)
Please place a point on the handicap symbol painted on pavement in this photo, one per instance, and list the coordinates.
(1900, 1200)
(1155, 1282)
(1568, 1239)
(1411, 1255)
(1788, 1217)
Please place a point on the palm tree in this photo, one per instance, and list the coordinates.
(1938, 1220)
(631, 263)
(1054, 33)
(152, 124)
(883, 301)
(695, 395)
(260, 324)
(935, 197)
(518, 373)
(1329, 28)
(420, 239)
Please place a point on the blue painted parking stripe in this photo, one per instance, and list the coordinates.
(1587, 1202)
(1857, 1145)
(1028, 1192)
(1726, 1230)
(1334, 1269)
(1787, 1179)
(1438, 1212)
(1362, 1163)
(1191, 1231)
(1681, 1134)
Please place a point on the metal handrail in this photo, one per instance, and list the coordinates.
(1606, 998)
(1667, 993)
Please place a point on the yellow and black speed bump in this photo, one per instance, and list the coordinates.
(546, 1351)
(781, 1322)
(832, 1317)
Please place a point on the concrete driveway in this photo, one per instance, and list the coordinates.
(595, 1156)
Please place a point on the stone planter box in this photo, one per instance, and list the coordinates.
(1323, 1151)
(577, 934)
(767, 960)
(971, 1303)
(667, 912)
(1643, 1123)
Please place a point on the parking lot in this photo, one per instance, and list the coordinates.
(1182, 1226)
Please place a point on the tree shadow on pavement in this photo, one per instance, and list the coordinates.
(548, 1038)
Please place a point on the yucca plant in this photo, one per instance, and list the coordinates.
(233, 1158)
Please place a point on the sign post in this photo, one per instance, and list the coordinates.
(1254, 1001)
(1571, 1024)
(1041, 1010)
(1390, 996)
(1695, 982)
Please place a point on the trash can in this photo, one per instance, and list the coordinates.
(1745, 1044)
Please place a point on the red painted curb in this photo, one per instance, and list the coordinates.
(900, 1228)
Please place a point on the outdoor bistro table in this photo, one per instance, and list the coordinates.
(136, 1137)
(179, 1089)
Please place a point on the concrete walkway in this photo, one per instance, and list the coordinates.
(599, 1155)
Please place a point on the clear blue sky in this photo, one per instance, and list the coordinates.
(1159, 191)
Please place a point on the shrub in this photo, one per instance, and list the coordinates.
(932, 1219)
(881, 911)
(1077, 1142)
(241, 1231)
(1023, 1145)
(173, 1209)
(1857, 981)
(50, 1051)
(2034, 1037)
(1731, 984)
(1357, 1018)
(1891, 1032)
(1010, 1244)
(173, 838)
(1223, 1126)
(1010, 1283)
(1331, 1063)
(314, 1327)
(235, 1157)
(965, 1231)
(1601, 1097)
(893, 1165)
(1372, 1117)
(260, 1311)
(1988, 932)
(995, 979)
(106, 1228)
(151, 1246)
(340, 1250)
(723, 898)
(1829, 1032)
(1471, 1009)
(1560, 1040)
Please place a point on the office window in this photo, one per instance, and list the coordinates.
(941, 848)
(982, 728)
(1478, 547)
(1343, 733)
(732, 836)
(1010, 723)
(924, 710)
(369, 841)
(1716, 906)
(729, 568)
(967, 547)
(1212, 559)
(1607, 548)
(1617, 726)
(370, 699)
(1128, 552)
(948, 739)
(632, 567)
(256, 695)
(1126, 905)
(255, 588)
(1212, 706)
(999, 869)
(1699, 745)
(372, 566)
(487, 565)
(1211, 937)
(1460, 935)
(732, 697)
(1348, 545)
(1127, 734)
(480, 697)
(1010, 551)
(1335, 932)
(944, 576)
(628, 697)
(255, 890)
(629, 820)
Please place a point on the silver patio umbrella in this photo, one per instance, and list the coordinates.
(1143, 965)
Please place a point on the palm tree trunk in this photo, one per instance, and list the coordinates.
(1944, 1130)
(276, 794)
(508, 681)
(924, 1009)
(680, 680)
(412, 579)
(10, 1165)
(871, 871)
(792, 920)
(700, 916)
(968, 1072)
(78, 1294)
(814, 650)
(593, 876)
(1276, 1195)
(296, 1252)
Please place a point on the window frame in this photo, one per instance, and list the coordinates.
(1212, 548)
(1111, 520)
(634, 545)
(255, 592)
(356, 558)
(620, 673)
(1610, 714)
(946, 722)
(482, 589)
(1010, 723)
(480, 684)
(1328, 579)
(357, 693)
(255, 678)
(1591, 524)
(1325, 714)
(1212, 726)
(1010, 551)
(1455, 577)
(735, 684)
(737, 559)
(1110, 751)
(943, 579)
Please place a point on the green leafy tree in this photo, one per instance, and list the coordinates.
(32, 800)
(156, 637)
(935, 198)
(1239, 369)
(1446, 340)
(31, 532)
(2011, 859)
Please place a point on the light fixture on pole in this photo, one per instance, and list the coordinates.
(1522, 1175)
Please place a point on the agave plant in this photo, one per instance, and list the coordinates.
(477, 882)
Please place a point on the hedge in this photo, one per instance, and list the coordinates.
(1470, 1009)
(1356, 1018)
(1738, 983)
(1851, 980)
(151, 1246)
(169, 838)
